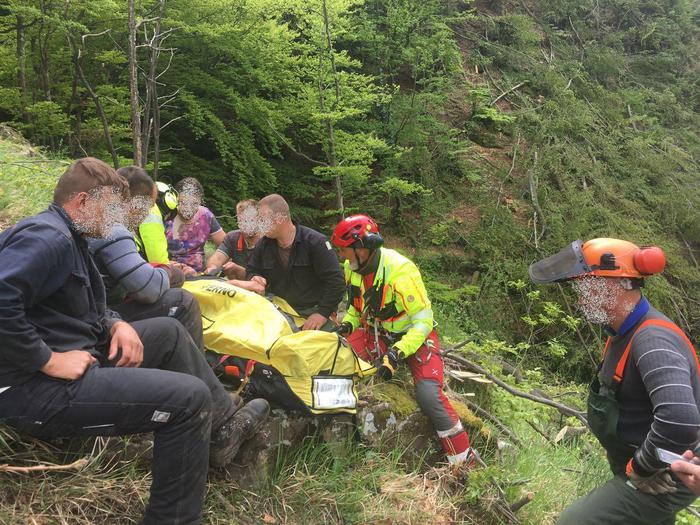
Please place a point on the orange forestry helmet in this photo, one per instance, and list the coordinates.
(602, 257)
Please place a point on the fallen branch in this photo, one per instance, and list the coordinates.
(564, 409)
(533, 181)
(507, 177)
(455, 347)
(76, 465)
(578, 37)
(233, 511)
(499, 97)
(629, 112)
(568, 432)
(539, 431)
(493, 419)
(690, 252)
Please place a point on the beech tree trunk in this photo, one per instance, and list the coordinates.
(134, 88)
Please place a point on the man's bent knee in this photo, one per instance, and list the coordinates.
(429, 400)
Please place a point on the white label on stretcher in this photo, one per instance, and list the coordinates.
(333, 392)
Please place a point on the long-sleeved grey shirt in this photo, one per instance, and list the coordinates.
(660, 390)
(126, 275)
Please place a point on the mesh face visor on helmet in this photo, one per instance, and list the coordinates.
(562, 266)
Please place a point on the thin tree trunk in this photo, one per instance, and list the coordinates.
(74, 109)
(43, 56)
(332, 159)
(134, 87)
(152, 103)
(98, 104)
(44, 75)
(22, 66)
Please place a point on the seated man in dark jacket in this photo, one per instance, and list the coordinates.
(69, 367)
(136, 289)
(296, 263)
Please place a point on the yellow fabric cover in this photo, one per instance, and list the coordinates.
(236, 321)
(247, 325)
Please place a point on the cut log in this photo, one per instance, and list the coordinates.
(568, 432)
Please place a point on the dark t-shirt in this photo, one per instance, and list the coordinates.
(311, 277)
(235, 248)
(283, 254)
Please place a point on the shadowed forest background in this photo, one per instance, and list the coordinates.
(480, 135)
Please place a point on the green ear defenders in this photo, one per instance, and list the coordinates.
(167, 196)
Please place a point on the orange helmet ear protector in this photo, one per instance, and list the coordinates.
(602, 257)
(650, 260)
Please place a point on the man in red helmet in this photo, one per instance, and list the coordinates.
(389, 320)
(645, 395)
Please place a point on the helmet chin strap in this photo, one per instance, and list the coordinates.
(362, 265)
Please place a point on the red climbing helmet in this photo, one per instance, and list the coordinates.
(357, 231)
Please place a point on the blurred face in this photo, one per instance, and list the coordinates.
(248, 221)
(96, 212)
(350, 255)
(139, 208)
(597, 298)
(267, 223)
(188, 205)
(189, 201)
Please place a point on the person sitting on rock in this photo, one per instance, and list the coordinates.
(389, 320)
(297, 264)
(71, 367)
(192, 227)
(136, 289)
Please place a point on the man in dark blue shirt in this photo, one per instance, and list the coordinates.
(69, 367)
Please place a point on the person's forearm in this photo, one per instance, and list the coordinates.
(217, 260)
(666, 377)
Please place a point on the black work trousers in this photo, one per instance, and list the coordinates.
(173, 394)
(175, 302)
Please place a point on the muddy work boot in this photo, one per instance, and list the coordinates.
(243, 425)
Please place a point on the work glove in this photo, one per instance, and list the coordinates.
(344, 329)
(387, 364)
(659, 482)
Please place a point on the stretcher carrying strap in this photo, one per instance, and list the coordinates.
(250, 365)
(620, 368)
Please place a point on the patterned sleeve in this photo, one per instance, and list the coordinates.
(664, 363)
(214, 225)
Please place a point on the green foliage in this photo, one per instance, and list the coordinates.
(598, 114)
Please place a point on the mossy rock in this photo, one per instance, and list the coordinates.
(391, 420)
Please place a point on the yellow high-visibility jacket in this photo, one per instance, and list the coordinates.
(150, 239)
(397, 301)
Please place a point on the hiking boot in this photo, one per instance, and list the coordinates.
(243, 425)
(237, 401)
